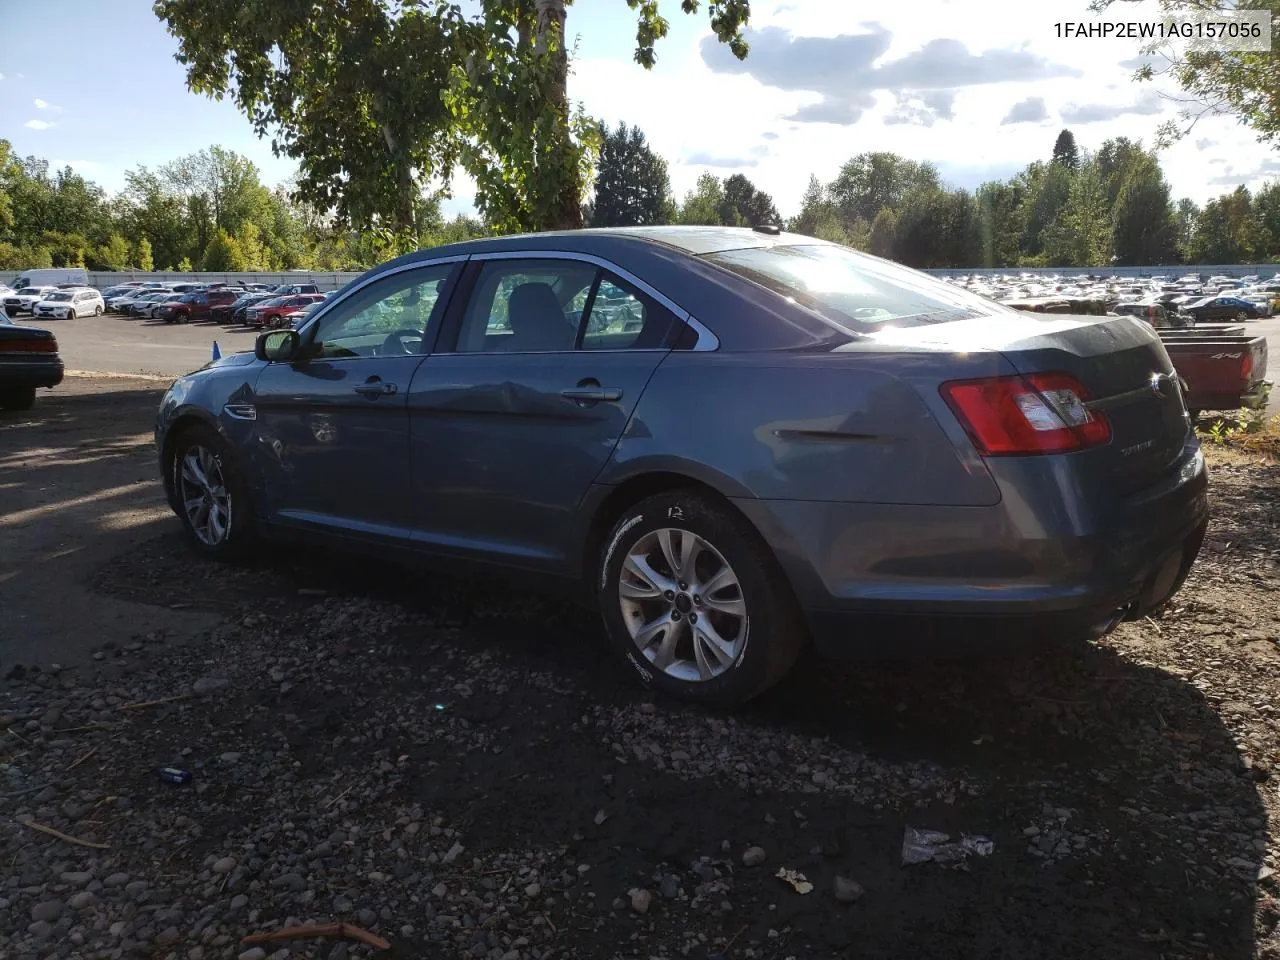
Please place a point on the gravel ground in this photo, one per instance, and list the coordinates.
(463, 772)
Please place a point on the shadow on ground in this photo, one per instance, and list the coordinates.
(1124, 821)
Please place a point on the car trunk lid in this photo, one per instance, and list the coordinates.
(1119, 361)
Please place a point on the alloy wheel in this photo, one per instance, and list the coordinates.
(683, 605)
(206, 500)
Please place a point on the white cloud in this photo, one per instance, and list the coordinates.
(987, 120)
(38, 124)
(46, 105)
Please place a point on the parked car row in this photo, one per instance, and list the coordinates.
(217, 303)
(1163, 302)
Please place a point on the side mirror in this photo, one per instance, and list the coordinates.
(278, 346)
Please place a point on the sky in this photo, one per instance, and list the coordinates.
(978, 94)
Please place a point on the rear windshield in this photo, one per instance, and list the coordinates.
(852, 290)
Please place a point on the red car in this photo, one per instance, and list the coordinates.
(195, 305)
(269, 311)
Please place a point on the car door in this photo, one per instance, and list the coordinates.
(520, 407)
(332, 426)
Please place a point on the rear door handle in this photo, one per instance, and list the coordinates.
(375, 388)
(592, 394)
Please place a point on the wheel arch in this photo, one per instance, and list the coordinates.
(183, 421)
(608, 502)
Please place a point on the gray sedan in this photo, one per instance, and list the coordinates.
(737, 441)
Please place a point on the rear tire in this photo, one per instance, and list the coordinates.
(719, 630)
(97, 311)
(18, 398)
(216, 513)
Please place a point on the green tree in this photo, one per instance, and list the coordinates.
(1115, 159)
(375, 98)
(869, 182)
(1245, 84)
(1266, 208)
(1144, 232)
(1047, 188)
(142, 256)
(702, 203)
(1226, 230)
(882, 240)
(632, 187)
(184, 265)
(819, 216)
(1185, 218)
(114, 254)
(223, 254)
(1001, 221)
(745, 205)
(1081, 235)
(253, 254)
(1065, 152)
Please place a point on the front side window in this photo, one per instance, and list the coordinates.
(853, 291)
(390, 317)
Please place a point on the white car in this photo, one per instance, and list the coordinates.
(69, 304)
(122, 303)
(25, 300)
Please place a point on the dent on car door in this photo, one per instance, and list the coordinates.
(517, 413)
(332, 425)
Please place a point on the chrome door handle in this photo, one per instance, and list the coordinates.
(375, 389)
(592, 394)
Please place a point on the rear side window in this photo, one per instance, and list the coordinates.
(624, 318)
(852, 291)
(557, 306)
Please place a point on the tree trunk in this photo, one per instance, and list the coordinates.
(405, 220)
(566, 206)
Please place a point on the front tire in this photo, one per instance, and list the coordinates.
(18, 398)
(695, 603)
(210, 495)
(97, 311)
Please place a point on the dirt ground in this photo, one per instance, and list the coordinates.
(460, 768)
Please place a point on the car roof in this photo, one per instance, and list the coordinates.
(692, 240)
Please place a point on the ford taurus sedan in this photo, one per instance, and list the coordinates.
(737, 441)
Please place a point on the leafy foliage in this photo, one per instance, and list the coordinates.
(376, 99)
(1237, 83)
(632, 187)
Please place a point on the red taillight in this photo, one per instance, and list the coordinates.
(42, 345)
(1246, 367)
(1036, 413)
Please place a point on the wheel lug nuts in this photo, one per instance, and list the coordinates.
(693, 618)
(683, 585)
(670, 595)
(697, 598)
(675, 614)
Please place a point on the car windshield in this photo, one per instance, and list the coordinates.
(59, 296)
(273, 302)
(854, 291)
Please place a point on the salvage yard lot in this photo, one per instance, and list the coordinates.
(461, 769)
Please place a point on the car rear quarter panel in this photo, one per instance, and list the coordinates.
(859, 427)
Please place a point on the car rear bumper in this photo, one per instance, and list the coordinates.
(30, 373)
(889, 579)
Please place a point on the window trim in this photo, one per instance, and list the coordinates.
(307, 331)
(707, 341)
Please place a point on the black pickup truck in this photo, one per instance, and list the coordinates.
(28, 360)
